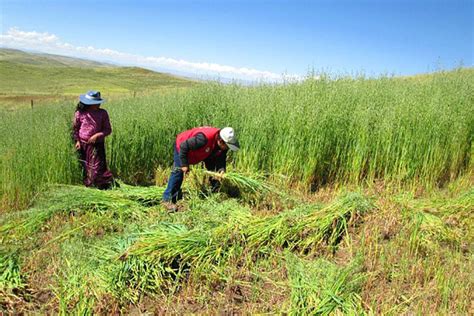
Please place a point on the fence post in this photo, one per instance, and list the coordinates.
(31, 103)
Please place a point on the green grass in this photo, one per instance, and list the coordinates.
(320, 287)
(140, 257)
(10, 277)
(105, 251)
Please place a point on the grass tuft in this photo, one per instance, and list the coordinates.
(320, 287)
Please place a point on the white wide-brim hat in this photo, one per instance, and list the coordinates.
(228, 136)
(91, 97)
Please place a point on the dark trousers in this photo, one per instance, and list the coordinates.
(173, 191)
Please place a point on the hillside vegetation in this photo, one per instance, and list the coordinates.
(47, 78)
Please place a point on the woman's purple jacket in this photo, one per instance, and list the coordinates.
(88, 123)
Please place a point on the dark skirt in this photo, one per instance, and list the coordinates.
(95, 172)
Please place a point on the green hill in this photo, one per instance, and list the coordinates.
(45, 78)
(39, 59)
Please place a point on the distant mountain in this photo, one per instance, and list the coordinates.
(26, 75)
(42, 59)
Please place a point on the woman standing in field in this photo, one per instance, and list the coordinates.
(91, 126)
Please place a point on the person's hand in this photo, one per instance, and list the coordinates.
(185, 169)
(93, 139)
(78, 145)
(220, 175)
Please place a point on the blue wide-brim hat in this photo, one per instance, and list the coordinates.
(91, 97)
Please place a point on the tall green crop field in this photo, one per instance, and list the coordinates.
(403, 131)
(314, 132)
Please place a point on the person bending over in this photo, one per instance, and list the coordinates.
(201, 144)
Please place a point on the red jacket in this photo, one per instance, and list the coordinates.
(198, 155)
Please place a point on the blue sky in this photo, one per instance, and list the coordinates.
(247, 39)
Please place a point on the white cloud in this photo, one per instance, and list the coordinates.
(50, 43)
